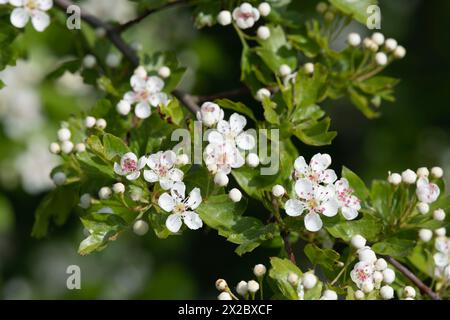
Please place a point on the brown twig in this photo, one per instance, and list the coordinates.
(411, 276)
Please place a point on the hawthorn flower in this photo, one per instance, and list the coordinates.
(350, 205)
(362, 274)
(316, 172)
(426, 192)
(232, 132)
(181, 207)
(442, 257)
(210, 114)
(162, 169)
(147, 93)
(316, 200)
(222, 157)
(34, 9)
(245, 15)
(130, 166)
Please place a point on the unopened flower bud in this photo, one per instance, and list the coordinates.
(423, 207)
(329, 295)
(259, 270)
(59, 178)
(359, 295)
(182, 160)
(377, 277)
(221, 285)
(242, 288)
(140, 227)
(253, 286)
(64, 134)
(309, 68)
(309, 280)
(367, 255)
(381, 59)
(358, 241)
(164, 72)
(101, 124)
(388, 276)
(285, 70)
(252, 160)
(386, 292)
(409, 292)
(391, 45)
(395, 179)
(67, 147)
(440, 232)
(85, 201)
(354, 39)
(235, 195)
(437, 172)
(425, 235)
(380, 264)
(367, 287)
(123, 107)
(263, 33)
(262, 93)
(378, 38)
(278, 190)
(292, 279)
(400, 52)
(80, 147)
(89, 61)
(105, 193)
(224, 296)
(55, 148)
(118, 187)
(264, 9)
(423, 172)
(409, 176)
(89, 122)
(224, 17)
(439, 215)
(113, 60)
(221, 179)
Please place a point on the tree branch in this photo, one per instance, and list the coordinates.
(121, 28)
(411, 276)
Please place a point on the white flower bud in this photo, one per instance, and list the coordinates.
(252, 286)
(85, 201)
(409, 292)
(221, 179)
(118, 187)
(140, 227)
(285, 70)
(400, 52)
(321, 7)
(224, 17)
(423, 207)
(64, 134)
(278, 190)
(440, 232)
(370, 45)
(105, 193)
(329, 295)
(309, 280)
(367, 287)
(140, 72)
(262, 93)
(89, 61)
(425, 235)
(59, 178)
(55, 148)
(354, 39)
(388, 275)
(264, 9)
(164, 72)
(395, 179)
(293, 279)
(224, 296)
(378, 38)
(409, 176)
(67, 147)
(391, 44)
(80, 147)
(358, 241)
(381, 59)
(242, 288)
(367, 255)
(101, 124)
(182, 160)
(235, 195)
(113, 60)
(259, 270)
(123, 107)
(377, 277)
(221, 285)
(439, 215)
(263, 33)
(309, 68)
(359, 295)
(423, 172)
(386, 292)
(380, 264)
(252, 160)
(89, 122)
(437, 172)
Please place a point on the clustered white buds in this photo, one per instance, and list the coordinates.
(65, 145)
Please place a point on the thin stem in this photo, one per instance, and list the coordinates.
(284, 231)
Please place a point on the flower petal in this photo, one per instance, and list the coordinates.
(142, 162)
(178, 190)
(176, 175)
(40, 20)
(150, 176)
(294, 207)
(194, 199)
(44, 4)
(304, 189)
(192, 220)
(349, 213)
(166, 183)
(223, 127)
(237, 123)
(153, 160)
(215, 137)
(166, 202)
(328, 176)
(138, 83)
(168, 158)
(154, 84)
(128, 156)
(118, 169)
(19, 17)
(440, 259)
(320, 162)
(17, 3)
(313, 222)
(134, 175)
(330, 208)
(301, 166)
(142, 110)
(173, 223)
(245, 141)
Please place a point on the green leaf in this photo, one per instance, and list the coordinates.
(324, 257)
(310, 90)
(358, 186)
(362, 103)
(394, 247)
(114, 146)
(368, 226)
(315, 134)
(6, 215)
(100, 233)
(355, 9)
(174, 112)
(281, 268)
(314, 293)
(270, 112)
(236, 106)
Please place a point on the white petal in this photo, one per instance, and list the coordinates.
(173, 223)
(238, 160)
(192, 220)
(215, 137)
(178, 190)
(40, 20)
(165, 183)
(128, 156)
(223, 127)
(301, 166)
(45, 4)
(441, 244)
(304, 189)
(313, 222)
(245, 141)
(133, 176)
(150, 176)
(195, 198)
(328, 176)
(330, 208)
(138, 83)
(341, 185)
(176, 175)
(142, 110)
(142, 162)
(166, 202)
(349, 213)
(320, 162)
(237, 123)
(17, 3)
(155, 84)
(130, 97)
(168, 158)
(294, 207)
(118, 169)
(156, 99)
(154, 160)
(440, 259)
(19, 17)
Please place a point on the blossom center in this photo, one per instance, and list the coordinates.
(129, 165)
(31, 5)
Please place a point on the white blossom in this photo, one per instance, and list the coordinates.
(130, 166)
(162, 169)
(221, 158)
(245, 15)
(34, 9)
(426, 192)
(349, 204)
(442, 257)
(317, 171)
(210, 114)
(232, 132)
(362, 273)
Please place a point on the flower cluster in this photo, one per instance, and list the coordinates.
(226, 141)
(442, 257)
(30, 9)
(306, 282)
(318, 192)
(146, 93)
(65, 145)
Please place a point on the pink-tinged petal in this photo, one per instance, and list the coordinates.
(421, 182)
(166, 202)
(223, 127)
(165, 183)
(173, 223)
(245, 141)
(178, 190)
(156, 99)
(44, 4)
(192, 220)
(168, 158)
(294, 207)
(215, 137)
(176, 175)
(142, 110)
(19, 17)
(313, 222)
(342, 185)
(154, 84)
(40, 20)
(349, 213)
(133, 176)
(320, 162)
(328, 176)
(301, 166)
(237, 123)
(330, 208)
(304, 189)
(150, 176)
(118, 169)
(255, 14)
(128, 156)
(194, 199)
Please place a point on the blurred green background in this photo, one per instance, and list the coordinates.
(412, 132)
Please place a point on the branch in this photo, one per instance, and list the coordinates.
(411, 276)
(191, 102)
(121, 28)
